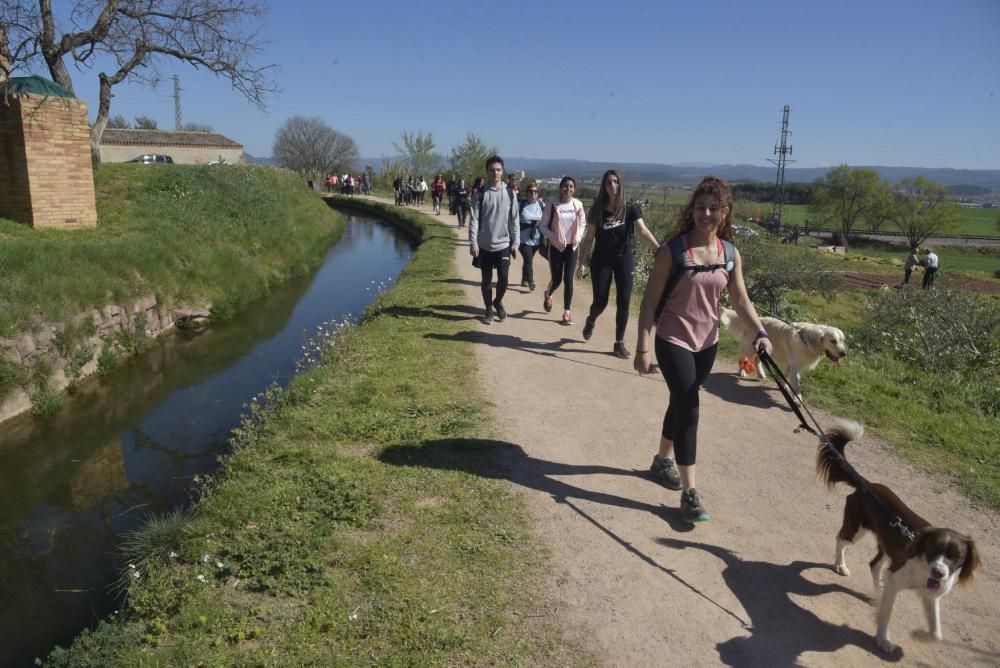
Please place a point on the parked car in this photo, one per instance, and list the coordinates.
(744, 232)
(153, 158)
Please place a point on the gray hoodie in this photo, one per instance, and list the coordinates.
(496, 227)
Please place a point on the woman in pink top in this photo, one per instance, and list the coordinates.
(563, 224)
(687, 331)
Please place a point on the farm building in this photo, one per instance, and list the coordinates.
(192, 148)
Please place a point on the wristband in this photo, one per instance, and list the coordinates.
(762, 335)
(641, 352)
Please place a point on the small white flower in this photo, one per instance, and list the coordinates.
(135, 574)
(173, 555)
(200, 578)
(219, 564)
(204, 558)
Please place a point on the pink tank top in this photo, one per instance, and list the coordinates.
(690, 317)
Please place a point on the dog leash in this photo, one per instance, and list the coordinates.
(783, 385)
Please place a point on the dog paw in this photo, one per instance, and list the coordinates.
(841, 569)
(885, 644)
(926, 636)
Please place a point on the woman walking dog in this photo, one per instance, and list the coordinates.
(699, 262)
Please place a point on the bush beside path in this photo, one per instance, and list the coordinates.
(753, 586)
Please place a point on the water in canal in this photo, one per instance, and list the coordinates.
(128, 445)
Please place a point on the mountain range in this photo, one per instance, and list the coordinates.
(650, 172)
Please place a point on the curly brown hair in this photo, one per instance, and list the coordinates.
(716, 187)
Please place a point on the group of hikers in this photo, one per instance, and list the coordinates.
(349, 184)
(681, 302)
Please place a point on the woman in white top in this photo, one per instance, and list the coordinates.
(563, 224)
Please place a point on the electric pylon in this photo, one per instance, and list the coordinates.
(782, 149)
(177, 103)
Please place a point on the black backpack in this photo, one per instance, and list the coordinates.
(677, 266)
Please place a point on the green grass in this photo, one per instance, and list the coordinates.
(358, 519)
(189, 234)
(976, 222)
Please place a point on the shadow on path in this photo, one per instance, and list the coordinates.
(780, 629)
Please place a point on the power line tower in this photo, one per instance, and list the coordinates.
(177, 103)
(782, 149)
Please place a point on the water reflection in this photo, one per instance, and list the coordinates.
(126, 446)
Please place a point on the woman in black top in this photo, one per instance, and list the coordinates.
(460, 200)
(614, 227)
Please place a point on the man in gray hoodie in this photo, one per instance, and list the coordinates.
(493, 236)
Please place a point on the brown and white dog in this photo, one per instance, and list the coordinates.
(797, 346)
(932, 563)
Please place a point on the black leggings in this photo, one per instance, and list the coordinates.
(684, 372)
(601, 272)
(562, 264)
(487, 260)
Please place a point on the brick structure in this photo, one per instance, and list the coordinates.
(46, 176)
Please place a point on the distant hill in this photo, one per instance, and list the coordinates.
(652, 172)
(254, 160)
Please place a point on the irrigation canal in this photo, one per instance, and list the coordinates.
(129, 445)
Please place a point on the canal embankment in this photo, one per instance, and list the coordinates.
(175, 244)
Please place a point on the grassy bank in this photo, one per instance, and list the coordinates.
(356, 520)
(189, 234)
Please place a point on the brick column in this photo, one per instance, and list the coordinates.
(46, 177)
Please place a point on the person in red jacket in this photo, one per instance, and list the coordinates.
(438, 188)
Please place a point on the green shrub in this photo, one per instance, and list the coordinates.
(952, 333)
(107, 361)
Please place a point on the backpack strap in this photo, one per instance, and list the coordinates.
(678, 250)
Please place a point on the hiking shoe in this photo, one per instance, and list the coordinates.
(588, 329)
(691, 508)
(524, 284)
(665, 473)
(620, 350)
(488, 317)
(501, 313)
(547, 302)
(567, 318)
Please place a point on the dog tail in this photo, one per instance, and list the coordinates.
(828, 466)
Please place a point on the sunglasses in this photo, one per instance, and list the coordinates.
(532, 190)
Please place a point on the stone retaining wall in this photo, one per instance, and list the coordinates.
(99, 328)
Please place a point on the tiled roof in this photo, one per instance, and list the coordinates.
(122, 137)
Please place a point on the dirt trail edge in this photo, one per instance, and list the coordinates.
(751, 587)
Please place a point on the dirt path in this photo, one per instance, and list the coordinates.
(751, 587)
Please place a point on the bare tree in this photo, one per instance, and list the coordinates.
(219, 36)
(310, 147)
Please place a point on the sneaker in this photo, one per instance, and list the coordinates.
(524, 284)
(665, 473)
(501, 313)
(547, 302)
(488, 317)
(588, 329)
(691, 508)
(531, 286)
(567, 318)
(620, 350)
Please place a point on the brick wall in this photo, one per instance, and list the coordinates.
(46, 177)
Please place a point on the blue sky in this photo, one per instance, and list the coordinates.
(886, 82)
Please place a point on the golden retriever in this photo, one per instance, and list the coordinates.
(798, 346)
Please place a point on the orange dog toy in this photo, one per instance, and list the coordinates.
(747, 365)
